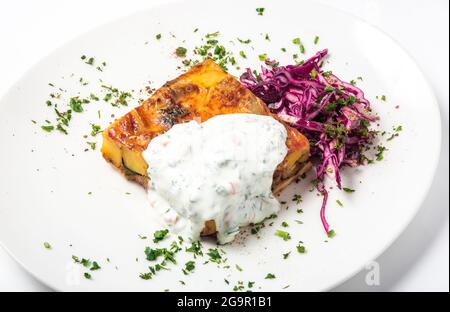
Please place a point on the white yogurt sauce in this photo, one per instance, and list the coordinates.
(219, 170)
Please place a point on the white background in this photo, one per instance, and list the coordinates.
(418, 260)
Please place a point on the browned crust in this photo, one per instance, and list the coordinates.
(189, 97)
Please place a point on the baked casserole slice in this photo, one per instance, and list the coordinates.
(201, 93)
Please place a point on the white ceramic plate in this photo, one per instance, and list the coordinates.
(46, 178)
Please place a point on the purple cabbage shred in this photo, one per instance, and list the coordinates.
(334, 115)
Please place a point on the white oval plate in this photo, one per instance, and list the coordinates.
(46, 177)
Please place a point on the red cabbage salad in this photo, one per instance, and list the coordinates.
(333, 114)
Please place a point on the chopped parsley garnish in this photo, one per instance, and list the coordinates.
(214, 255)
(89, 61)
(301, 249)
(270, 276)
(153, 254)
(316, 39)
(238, 268)
(87, 276)
(196, 249)
(95, 266)
(260, 11)
(348, 190)
(119, 97)
(158, 36)
(76, 104)
(250, 284)
(96, 129)
(181, 51)
(283, 49)
(188, 267)
(283, 234)
(298, 41)
(380, 151)
(48, 128)
(92, 145)
(262, 57)
(284, 224)
(239, 286)
(331, 234)
(85, 262)
(246, 41)
(267, 37)
(297, 198)
(286, 255)
(160, 235)
(329, 89)
(47, 245)
(383, 98)
(339, 203)
(242, 54)
(146, 276)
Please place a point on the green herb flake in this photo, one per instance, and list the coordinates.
(331, 234)
(329, 89)
(87, 276)
(270, 276)
(301, 249)
(85, 262)
(244, 41)
(188, 267)
(146, 276)
(339, 203)
(242, 54)
(214, 255)
(297, 198)
(181, 51)
(260, 11)
(92, 145)
(238, 268)
(158, 36)
(284, 224)
(95, 266)
(48, 128)
(348, 190)
(160, 235)
(96, 129)
(262, 57)
(380, 150)
(47, 245)
(286, 255)
(283, 234)
(316, 39)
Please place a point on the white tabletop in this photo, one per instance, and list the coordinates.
(418, 260)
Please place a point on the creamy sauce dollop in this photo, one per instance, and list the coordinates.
(219, 170)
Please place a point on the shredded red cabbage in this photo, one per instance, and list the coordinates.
(334, 115)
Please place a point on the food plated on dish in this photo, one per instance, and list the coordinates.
(333, 114)
(260, 164)
(202, 93)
